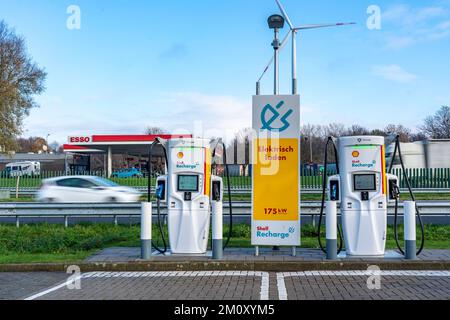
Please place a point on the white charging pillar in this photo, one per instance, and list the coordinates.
(363, 193)
(217, 230)
(409, 218)
(331, 229)
(146, 230)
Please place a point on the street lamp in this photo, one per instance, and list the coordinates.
(276, 22)
(46, 142)
(308, 139)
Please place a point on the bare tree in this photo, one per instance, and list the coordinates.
(378, 132)
(20, 80)
(438, 125)
(55, 147)
(238, 151)
(155, 130)
(311, 142)
(400, 130)
(335, 130)
(357, 130)
(31, 144)
(419, 136)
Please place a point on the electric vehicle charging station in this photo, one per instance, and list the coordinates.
(186, 189)
(190, 192)
(363, 189)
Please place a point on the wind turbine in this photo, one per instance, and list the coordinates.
(293, 32)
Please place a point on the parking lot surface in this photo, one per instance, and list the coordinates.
(228, 285)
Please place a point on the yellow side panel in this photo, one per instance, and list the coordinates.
(207, 171)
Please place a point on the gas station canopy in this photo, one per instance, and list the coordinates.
(135, 145)
(116, 144)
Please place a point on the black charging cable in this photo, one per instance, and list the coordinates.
(324, 186)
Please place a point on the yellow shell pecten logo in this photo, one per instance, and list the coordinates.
(355, 154)
(180, 155)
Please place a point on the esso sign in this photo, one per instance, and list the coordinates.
(79, 139)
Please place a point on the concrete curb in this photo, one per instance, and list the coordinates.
(274, 266)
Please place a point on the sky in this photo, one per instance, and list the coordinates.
(191, 66)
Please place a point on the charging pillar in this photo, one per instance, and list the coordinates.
(409, 218)
(217, 230)
(146, 230)
(331, 229)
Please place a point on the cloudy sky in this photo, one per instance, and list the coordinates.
(192, 65)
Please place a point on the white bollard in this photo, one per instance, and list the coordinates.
(146, 230)
(409, 220)
(331, 229)
(217, 230)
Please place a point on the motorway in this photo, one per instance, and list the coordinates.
(433, 211)
(228, 285)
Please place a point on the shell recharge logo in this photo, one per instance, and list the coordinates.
(182, 165)
(264, 232)
(356, 163)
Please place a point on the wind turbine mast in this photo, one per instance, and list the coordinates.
(293, 32)
(294, 47)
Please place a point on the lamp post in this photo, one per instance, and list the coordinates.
(46, 142)
(308, 139)
(276, 22)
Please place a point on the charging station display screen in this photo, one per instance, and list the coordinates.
(364, 182)
(187, 183)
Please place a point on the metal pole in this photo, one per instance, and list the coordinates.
(331, 231)
(409, 212)
(217, 230)
(276, 85)
(294, 62)
(275, 81)
(146, 230)
(258, 88)
(149, 178)
(275, 61)
(109, 163)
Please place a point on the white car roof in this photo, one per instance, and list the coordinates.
(69, 177)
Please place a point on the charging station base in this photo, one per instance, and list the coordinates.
(389, 254)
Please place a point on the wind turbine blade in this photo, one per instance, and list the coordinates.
(283, 12)
(316, 26)
(282, 45)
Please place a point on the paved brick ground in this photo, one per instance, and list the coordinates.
(247, 254)
(165, 286)
(355, 288)
(228, 285)
(17, 285)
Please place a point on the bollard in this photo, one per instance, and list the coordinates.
(409, 220)
(146, 230)
(331, 229)
(217, 230)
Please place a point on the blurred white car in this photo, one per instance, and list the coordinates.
(85, 189)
